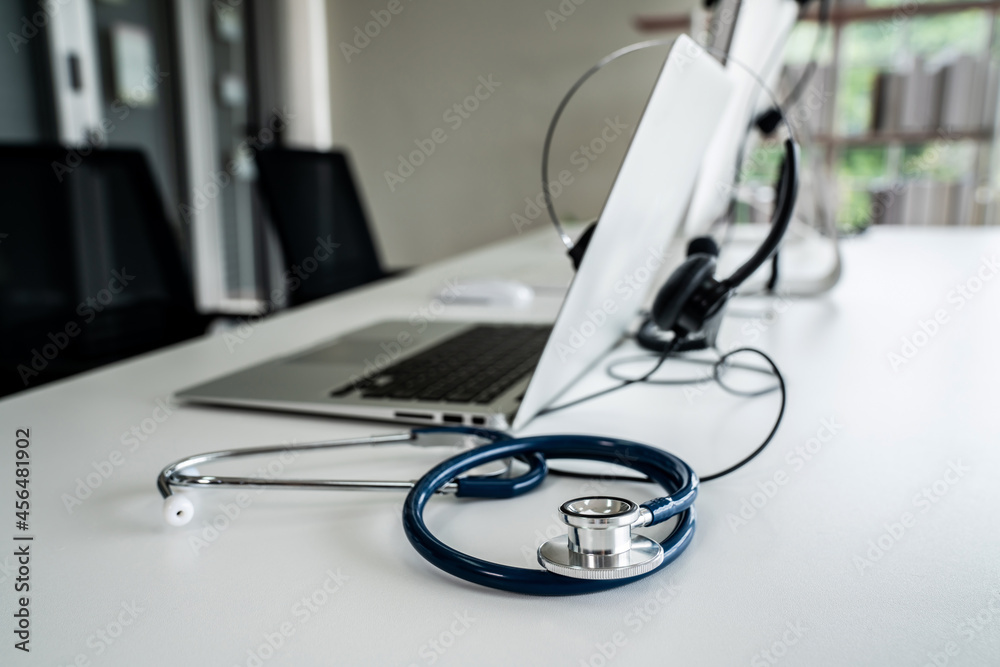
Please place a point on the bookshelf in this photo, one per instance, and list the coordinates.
(881, 139)
(839, 15)
(963, 151)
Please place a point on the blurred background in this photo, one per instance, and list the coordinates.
(440, 109)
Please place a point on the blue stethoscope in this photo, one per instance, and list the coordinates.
(599, 550)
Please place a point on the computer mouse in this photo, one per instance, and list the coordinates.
(487, 292)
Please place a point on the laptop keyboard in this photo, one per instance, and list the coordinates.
(475, 366)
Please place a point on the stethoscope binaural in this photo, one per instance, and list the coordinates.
(178, 510)
(598, 552)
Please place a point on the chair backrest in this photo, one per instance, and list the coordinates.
(87, 249)
(313, 201)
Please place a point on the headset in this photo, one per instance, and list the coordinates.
(688, 308)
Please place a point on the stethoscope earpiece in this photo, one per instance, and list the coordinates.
(177, 510)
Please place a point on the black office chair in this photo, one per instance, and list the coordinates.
(90, 269)
(311, 198)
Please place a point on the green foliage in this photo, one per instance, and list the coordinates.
(762, 164)
(940, 160)
(863, 164)
(857, 170)
(870, 46)
(965, 32)
(854, 212)
(854, 100)
(866, 48)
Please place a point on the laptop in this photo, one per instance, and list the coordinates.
(501, 375)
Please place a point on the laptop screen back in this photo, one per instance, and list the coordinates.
(642, 213)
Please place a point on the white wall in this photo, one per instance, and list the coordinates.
(305, 86)
(429, 57)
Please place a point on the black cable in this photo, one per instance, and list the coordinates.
(612, 371)
(777, 422)
(711, 377)
(716, 375)
(772, 282)
(663, 357)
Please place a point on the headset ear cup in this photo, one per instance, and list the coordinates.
(679, 288)
(580, 247)
(703, 245)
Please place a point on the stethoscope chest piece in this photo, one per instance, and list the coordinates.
(599, 543)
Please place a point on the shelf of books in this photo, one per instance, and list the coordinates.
(900, 112)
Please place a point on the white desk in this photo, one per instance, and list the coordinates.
(786, 581)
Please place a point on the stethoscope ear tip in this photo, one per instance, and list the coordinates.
(177, 510)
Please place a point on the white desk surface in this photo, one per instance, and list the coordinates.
(789, 581)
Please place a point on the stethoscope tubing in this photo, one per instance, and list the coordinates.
(661, 467)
